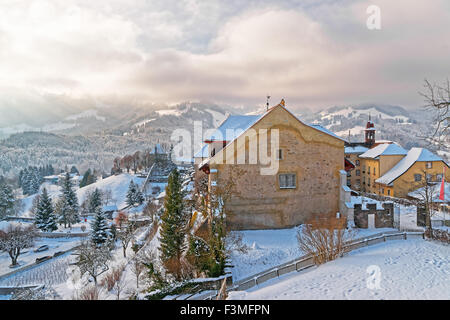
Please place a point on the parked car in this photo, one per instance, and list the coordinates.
(42, 248)
(42, 259)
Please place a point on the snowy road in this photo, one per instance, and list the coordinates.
(413, 269)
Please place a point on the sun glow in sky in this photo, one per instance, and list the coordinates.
(314, 53)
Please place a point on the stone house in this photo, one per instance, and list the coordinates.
(412, 172)
(306, 179)
(376, 162)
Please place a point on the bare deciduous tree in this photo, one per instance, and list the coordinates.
(126, 234)
(15, 238)
(137, 267)
(93, 259)
(437, 99)
(426, 193)
(323, 237)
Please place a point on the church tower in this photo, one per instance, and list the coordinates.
(369, 134)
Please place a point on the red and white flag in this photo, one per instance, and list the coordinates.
(442, 192)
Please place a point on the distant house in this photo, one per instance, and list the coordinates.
(306, 183)
(376, 162)
(51, 179)
(419, 165)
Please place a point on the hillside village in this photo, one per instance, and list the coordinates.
(206, 229)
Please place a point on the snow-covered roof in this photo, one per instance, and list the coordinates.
(355, 149)
(109, 208)
(325, 130)
(233, 126)
(202, 153)
(414, 155)
(363, 201)
(385, 149)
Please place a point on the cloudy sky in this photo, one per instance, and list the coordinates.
(313, 53)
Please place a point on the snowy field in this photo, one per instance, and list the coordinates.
(411, 269)
(270, 248)
(50, 273)
(29, 256)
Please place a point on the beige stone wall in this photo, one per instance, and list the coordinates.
(313, 156)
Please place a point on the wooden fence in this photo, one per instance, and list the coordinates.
(307, 261)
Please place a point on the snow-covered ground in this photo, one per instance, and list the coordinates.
(270, 248)
(29, 256)
(411, 269)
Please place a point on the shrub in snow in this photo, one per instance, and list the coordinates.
(323, 237)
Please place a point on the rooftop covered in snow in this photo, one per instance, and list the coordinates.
(355, 150)
(385, 149)
(232, 127)
(414, 155)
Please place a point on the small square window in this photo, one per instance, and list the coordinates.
(417, 177)
(287, 181)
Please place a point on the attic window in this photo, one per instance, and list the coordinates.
(429, 165)
(287, 181)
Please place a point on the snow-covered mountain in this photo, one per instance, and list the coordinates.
(407, 127)
(92, 137)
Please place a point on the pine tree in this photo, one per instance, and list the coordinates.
(100, 230)
(7, 200)
(173, 226)
(138, 197)
(68, 206)
(26, 182)
(95, 200)
(131, 194)
(45, 218)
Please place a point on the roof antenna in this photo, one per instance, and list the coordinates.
(267, 103)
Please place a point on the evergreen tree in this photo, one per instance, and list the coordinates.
(25, 182)
(45, 218)
(74, 170)
(88, 178)
(100, 231)
(173, 220)
(138, 197)
(95, 200)
(7, 200)
(131, 194)
(68, 203)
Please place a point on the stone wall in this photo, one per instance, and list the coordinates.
(383, 218)
(315, 157)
